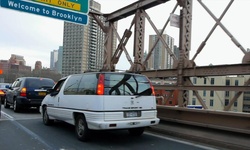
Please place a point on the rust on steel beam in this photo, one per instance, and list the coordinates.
(132, 8)
(228, 121)
(211, 88)
(203, 71)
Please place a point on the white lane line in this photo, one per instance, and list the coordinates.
(9, 117)
(183, 142)
(35, 136)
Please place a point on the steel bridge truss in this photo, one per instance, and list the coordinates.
(184, 67)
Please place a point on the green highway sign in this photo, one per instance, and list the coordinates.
(45, 10)
(81, 6)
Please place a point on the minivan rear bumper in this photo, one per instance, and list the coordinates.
(103, 125)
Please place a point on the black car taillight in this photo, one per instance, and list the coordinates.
(23, 92)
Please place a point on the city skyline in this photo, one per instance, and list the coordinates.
(34, 37)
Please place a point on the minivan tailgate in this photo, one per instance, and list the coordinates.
(120, 107)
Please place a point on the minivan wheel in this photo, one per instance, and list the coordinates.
(81, 128)
(16, 107)
(136, 131)
(46, 119)
(6, 105)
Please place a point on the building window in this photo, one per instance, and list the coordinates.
(235, 104)
(194, 80)
(204, 93)
(227, 93)
(193, 93)
(211, 102)
(211, 93)
(226, 102)
(212, 81)
(193, 101)
(236, 82)
(205, 80)
(227, 82)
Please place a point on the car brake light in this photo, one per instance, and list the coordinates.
(23, 92)
(100, 85)
(1, 92)
(153, 89)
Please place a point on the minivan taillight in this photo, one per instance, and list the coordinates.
(23, 92)
(100, 85)
(153, 89)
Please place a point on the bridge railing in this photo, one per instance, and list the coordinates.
(229, 121)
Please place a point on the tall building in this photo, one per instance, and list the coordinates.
(38, 65)
(17, 60)
(53, 59)
(83, 46)
(59, 61)
(160, 58)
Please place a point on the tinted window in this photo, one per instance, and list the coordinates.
(126, 84)
(39, 83)
(72, 84)
(88, 84)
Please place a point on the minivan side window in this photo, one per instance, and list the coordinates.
(71, 87)
(88, 84)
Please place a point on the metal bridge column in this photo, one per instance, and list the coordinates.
(184, 46)
(108, 47)
(138, 41)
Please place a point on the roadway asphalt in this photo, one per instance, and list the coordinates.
(223, 139)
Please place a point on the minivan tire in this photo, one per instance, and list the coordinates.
(136, 131)
(46, 119)
(6, 105)
(81, 128)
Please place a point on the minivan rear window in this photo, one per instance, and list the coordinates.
(126, 84)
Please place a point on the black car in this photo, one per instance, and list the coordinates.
(27, 92)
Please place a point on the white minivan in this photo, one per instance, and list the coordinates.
(102, 101)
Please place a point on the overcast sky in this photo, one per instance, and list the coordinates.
(34, 37)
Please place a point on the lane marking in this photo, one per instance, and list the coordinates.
(183, 142)
(29, 132)
(9, 117)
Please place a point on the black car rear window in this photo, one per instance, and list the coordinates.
(126, 84)
(39, 83)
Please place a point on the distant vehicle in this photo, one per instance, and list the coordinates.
(27, 92)
(5, 85)
(102, 101)
(3, 94)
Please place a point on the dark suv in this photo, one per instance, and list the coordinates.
(27, 92)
